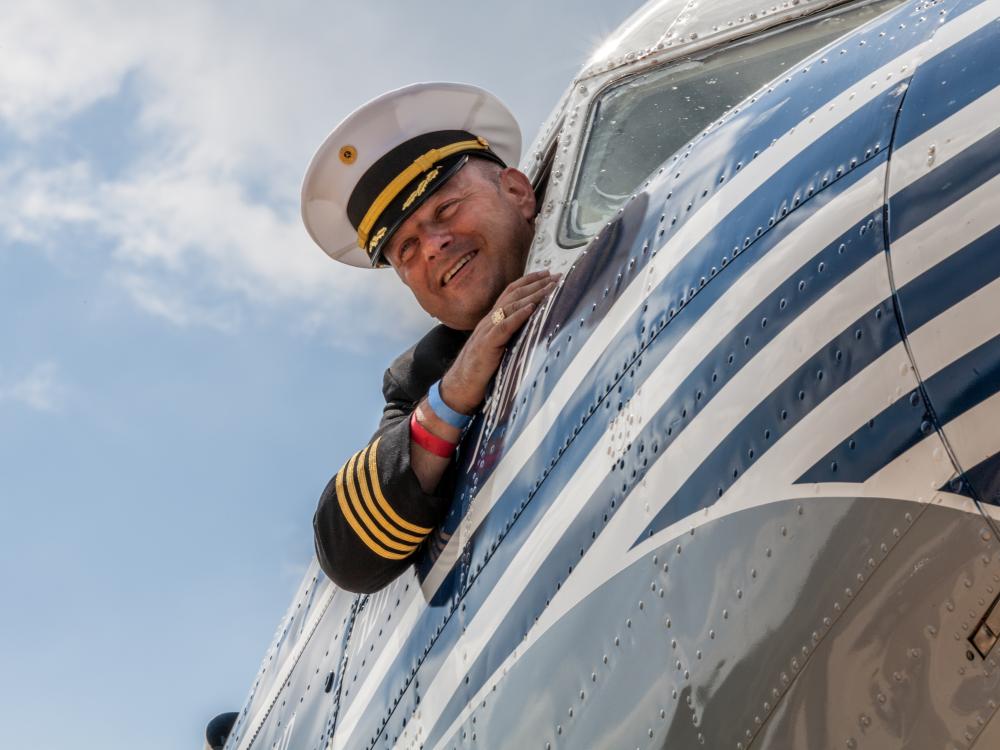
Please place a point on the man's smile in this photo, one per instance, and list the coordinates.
(459, 265)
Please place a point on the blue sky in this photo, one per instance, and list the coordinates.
(181, 370)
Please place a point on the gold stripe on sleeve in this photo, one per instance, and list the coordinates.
(358, 530)
(363, 516)
(366, 495)
(377, 489)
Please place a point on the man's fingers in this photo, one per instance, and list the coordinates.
(528, 291)
(513, 321)
(516, 311)
(533, 299)
(527, 284)
(512, 295)
(539, 294)
(511, 306)
(536, 297)
(515, 314)
(528, 278)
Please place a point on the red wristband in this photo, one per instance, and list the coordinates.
(429, 441)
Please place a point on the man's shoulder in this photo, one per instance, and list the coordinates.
(416, 369)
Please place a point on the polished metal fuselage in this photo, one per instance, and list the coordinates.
(736, 485)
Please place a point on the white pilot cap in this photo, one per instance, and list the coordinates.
(385, 158)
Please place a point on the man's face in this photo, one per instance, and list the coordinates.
(466, 243)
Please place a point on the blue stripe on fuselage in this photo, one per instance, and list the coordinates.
(985, 477)
(956, 178)
(948, 82)
(964, 384)
(838, 361)
(898, 428)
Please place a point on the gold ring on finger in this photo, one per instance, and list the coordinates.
(498, 316)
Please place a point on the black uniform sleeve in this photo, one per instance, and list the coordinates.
(373, 516)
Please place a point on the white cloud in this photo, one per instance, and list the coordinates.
(35, 201)
(217, 90)
(55, 64)
(40, 389)
(169, 303)
(231, 100)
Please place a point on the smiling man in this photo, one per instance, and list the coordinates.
(417, 179)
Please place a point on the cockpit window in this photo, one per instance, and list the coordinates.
(638, 123)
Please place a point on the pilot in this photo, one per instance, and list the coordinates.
(417, 179)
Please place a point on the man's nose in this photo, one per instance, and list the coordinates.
(435, 241)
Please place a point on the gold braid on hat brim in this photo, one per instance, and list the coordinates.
(421, 164)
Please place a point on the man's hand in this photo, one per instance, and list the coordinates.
(463, 387)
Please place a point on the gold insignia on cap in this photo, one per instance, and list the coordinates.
(348, 154)
(376, 238)
(428, 178)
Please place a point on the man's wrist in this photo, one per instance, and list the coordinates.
(435, 424)
(456, 396)
(443, 411)
(430, 442)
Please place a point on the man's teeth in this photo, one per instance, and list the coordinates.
(455, 269)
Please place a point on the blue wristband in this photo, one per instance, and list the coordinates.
(444, 412)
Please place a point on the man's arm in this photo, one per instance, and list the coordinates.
(382, 504)
(464, 385)
(373, 514)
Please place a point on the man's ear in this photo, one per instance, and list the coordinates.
(516, 186)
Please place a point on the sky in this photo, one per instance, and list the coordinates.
(181, 369)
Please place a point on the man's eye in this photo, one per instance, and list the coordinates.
(405, 250)
(446, 209)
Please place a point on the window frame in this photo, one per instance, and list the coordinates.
(568, 241)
